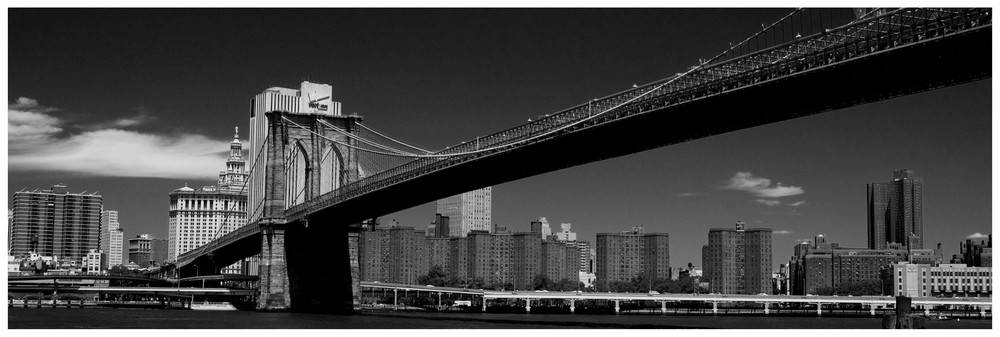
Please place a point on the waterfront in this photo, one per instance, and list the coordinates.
(61, 318)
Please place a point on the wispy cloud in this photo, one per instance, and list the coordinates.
(782, 232)
(142, 117)
(977, 235)
(688, 194)
(797, 203)
(768, 202)
(37, 143)
(760, 186)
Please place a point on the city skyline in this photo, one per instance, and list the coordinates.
(165, 104)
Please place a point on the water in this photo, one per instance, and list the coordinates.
(62, 318)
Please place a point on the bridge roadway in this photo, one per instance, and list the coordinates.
(873, 302)
(902, 52)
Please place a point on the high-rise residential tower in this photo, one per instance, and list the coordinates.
(310, 98)
(199, 216)
(111, 240)
(738, 260)
(55, 222)
(631, 253)
(895, 211)
(468, 211)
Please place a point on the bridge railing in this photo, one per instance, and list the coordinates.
(886, 29)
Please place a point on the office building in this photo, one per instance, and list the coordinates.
(439, 228)
(738, 260)
(895, 211)
(626, 255)
(977, 254)
(311, 98)
(54, 222)
(198, 216)
(111, 239)
(145, 251)
(467, 212)
(541, 228)
(946, 280)
(822, 265)
(92, 262)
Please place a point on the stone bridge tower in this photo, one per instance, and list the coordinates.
(307, 265)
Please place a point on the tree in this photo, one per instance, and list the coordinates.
(541, 282)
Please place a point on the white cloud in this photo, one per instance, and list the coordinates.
(797, 203)
(27, 121)
(688, 194)
(767, 202)
(782, 232)
(745, 181)
(977, 235)
(143, 117)
(34, 146)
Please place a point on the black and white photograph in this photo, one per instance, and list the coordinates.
(529, 166)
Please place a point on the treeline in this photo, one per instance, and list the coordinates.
(438, 278)
(641, 284)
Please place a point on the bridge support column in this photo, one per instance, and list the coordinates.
(617, 307)
(395, 299)
(572, 306)
(767, 309)
(527, 305)
(663, 307)
(484, 303)
(715, 308)
(982, 311)
(273, 270)
(872, 310)
(927, 310)
(819, 309)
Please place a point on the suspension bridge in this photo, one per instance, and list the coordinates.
(808, 62)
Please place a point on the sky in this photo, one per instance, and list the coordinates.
(133, 104)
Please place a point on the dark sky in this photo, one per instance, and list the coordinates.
(136, 103)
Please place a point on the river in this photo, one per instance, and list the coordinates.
(62, 318)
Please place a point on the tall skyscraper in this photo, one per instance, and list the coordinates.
(199, 216)
(467, 212)
(739, 260)
(312, 98)
(111, 240)
(895, 211)
(54, 222)
(631, 253)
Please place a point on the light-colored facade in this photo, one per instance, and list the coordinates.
(92, 263)
(946, 280)
(54, 222)
(312, 98)
(565, 234)
(111, 239)
(199, 216)
(468, 211)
